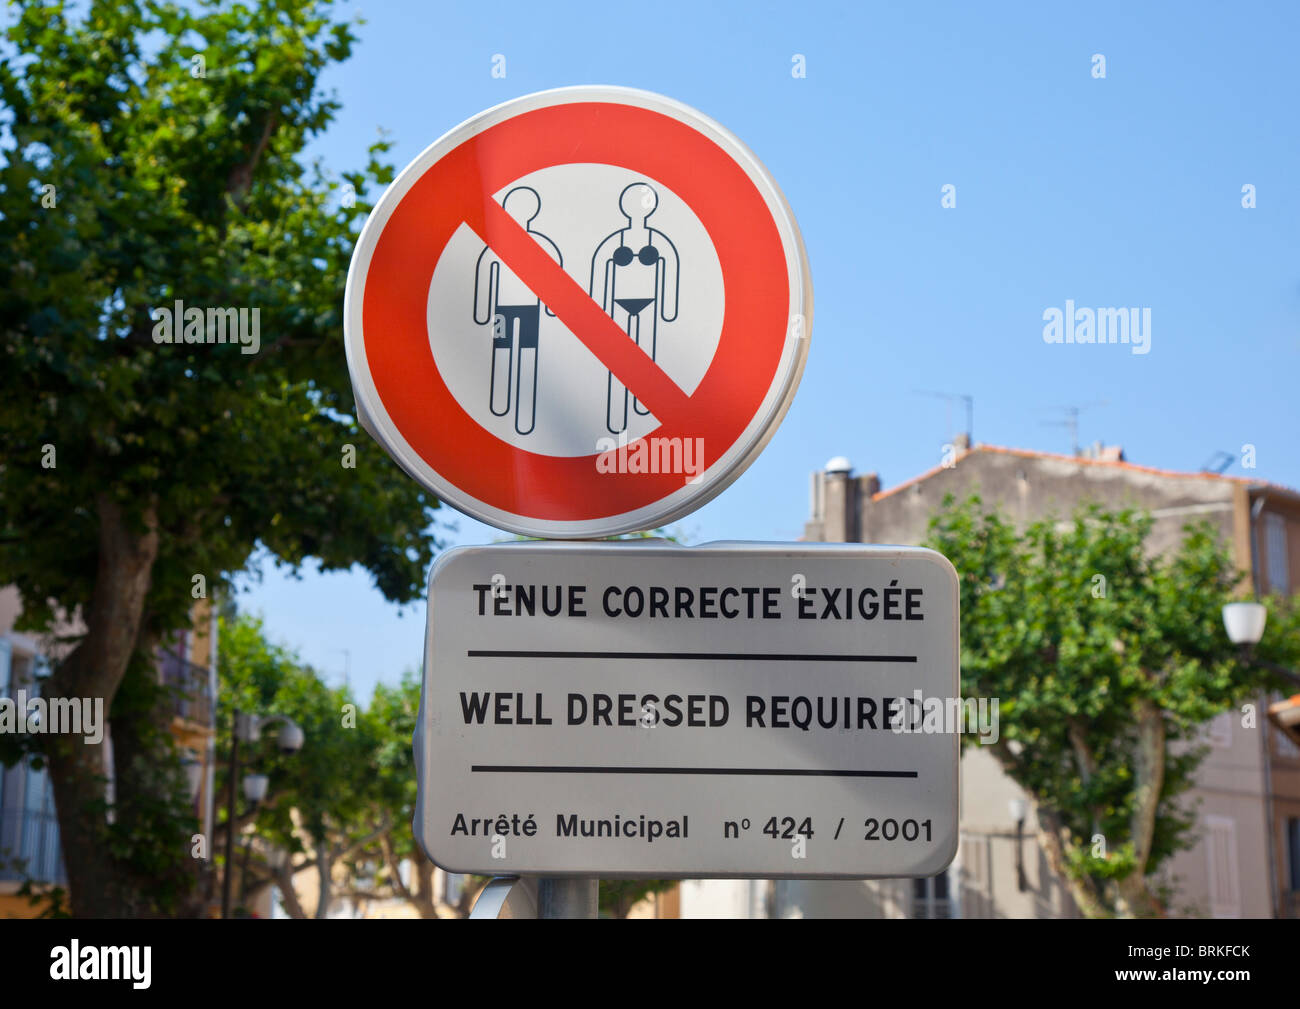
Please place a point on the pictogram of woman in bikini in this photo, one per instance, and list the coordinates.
(635, 276)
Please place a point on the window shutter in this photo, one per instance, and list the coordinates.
(1221, 851)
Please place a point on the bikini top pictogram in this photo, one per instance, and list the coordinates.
(648, 255)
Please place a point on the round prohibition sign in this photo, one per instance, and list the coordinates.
(404, 399)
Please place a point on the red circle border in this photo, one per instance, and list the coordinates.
(754, 330)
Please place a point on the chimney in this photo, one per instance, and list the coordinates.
(837, 497)
(1103, 453)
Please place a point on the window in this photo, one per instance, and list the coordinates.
(930, 897)
(1275, 564)
(1293, 852)
(29, 829)
(1221, 853)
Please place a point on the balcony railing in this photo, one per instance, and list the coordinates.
(38, 850)
(192, 697)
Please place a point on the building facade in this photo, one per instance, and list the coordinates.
(1246, 862)
(30, 850)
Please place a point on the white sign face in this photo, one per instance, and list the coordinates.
(565, 404)
(580, 313)
(643, 709)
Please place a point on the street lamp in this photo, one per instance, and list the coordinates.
(255, 786)
(1244, 623)
(248, 728)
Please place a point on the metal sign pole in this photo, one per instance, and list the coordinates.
(567, 897)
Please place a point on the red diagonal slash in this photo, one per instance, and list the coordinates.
(585, 319)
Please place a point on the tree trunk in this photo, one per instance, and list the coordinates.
(1134, 896)
(95, 668)
(1054, 839)
(325, 870)
(422, 898)
(288, 895)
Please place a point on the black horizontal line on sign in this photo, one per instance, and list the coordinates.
(502, 653)
(783, 771)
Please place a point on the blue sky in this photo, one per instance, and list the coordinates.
(1122, 191)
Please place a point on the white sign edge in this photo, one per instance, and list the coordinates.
(882, 551)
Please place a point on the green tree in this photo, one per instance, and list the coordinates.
(376, 866)
(1104, 657)
(155, 157)
(618, 896)
(318, 799)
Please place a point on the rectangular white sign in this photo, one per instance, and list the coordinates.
(644, 709)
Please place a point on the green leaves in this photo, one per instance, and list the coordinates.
(172, 185)
(326, 782)
(156, 157)
(350, 791)
(1082, 629)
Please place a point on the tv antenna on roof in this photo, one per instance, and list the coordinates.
(1218, 462)
(1071, 421)
(950, 398)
